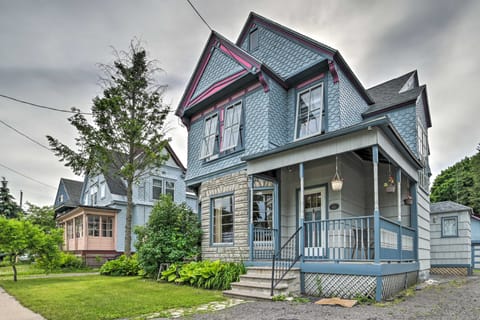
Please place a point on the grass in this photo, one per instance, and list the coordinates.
(6, 272)
(101, 297)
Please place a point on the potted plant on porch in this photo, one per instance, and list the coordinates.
(390, 184)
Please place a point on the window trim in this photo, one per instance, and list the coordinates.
(442, 227)
(212, 208)
(232, 106)
(215, 135)
(322, 109)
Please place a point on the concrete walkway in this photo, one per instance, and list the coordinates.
(11, 309)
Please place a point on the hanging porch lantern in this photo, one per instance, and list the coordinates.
(337, 181)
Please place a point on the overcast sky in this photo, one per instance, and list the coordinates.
(50, 51)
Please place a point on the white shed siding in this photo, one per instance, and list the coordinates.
(423, 220)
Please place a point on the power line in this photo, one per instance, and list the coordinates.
(198, 13)
(25, 176)
(42, 106)
(24, 135)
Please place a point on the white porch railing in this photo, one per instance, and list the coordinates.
(353, 239)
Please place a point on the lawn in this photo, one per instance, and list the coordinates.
(29, 269)
(102, 297)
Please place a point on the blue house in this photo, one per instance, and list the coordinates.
(318, 184)
(93, 212)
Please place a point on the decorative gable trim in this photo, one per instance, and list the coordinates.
(217, 42)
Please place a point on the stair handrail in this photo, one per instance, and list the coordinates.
(284, 259)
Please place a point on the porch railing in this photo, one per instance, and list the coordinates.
(263, 243)
(284, 259)
(353, 239)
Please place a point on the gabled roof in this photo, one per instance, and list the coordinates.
(73, 189)
(334, 54)
(387, 96)
(448, 206)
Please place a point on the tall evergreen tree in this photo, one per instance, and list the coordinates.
(8, 207)
(127, 137)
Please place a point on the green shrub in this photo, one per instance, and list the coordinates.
(205, 274)
(172, 235)
(70, 261)
(121, 266)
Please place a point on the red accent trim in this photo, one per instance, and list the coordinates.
(333, 71)
(263, 82)
(216, 87)
(240, 60)
(306, 83)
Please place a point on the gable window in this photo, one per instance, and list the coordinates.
(231, 126)
(253, 40)
(93, 195)
(102, 189)
(157, 187)
(449, 227)
(222, 220)
(170, 189)
(209, 136)
(309, 112)
(60, 198)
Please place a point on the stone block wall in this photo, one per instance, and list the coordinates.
(237, 184)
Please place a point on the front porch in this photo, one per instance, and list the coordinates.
(362, 233)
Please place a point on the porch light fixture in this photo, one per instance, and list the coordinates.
(337, 181)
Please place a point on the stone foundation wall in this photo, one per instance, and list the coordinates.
(237, 184)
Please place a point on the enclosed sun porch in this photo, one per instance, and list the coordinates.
(344, 203)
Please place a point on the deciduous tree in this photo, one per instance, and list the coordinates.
(127, 136)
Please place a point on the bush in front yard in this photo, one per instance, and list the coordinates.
(70, 261)
(205, 274)
(122, 266)
(171, 235)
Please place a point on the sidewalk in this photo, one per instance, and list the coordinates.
(11, 309)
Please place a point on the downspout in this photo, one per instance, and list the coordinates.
(376, 222)
(301, 211)
(399, 211)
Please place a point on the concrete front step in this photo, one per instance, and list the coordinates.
(281, 288)
(267, 271)
(247, 295)
(265, 279)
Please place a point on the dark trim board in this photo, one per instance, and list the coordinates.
(364, 269)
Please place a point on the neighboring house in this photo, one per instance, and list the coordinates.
(269, 119)
(94, 221)
(475, 224)
(68, 196)
(450, 238)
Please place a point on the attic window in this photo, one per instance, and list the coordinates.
(409, 85)
(253, 40)
(60, 198)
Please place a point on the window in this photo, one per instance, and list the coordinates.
(107, 224)
(170, 189)
(424, 179)
(253, 40)
(93, 226)
(141, 191)
(102, 189)
(449, 227)
(222, 224)
(263, 209)
(231, 126)
(70, 229)
(79, 227)
(422, 143)
(157, 188)
(309, 112)
(60, 198)
(209, 136)
(93, 195)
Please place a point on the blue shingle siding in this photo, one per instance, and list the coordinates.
(404, 120)
(352, 104)
(218, 67)
(256, 122)
(61, 191)
(277, 115)
(333, 112)
(292, 58)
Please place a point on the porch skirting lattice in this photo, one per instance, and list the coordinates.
(392, 284)
(339, 285)
(450, 271)
(351, 286)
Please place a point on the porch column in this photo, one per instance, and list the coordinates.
(376, 210)
(301, 211)
(414, 217)
(399, 194)
(250, 209)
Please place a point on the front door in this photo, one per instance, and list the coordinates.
(315, 222)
